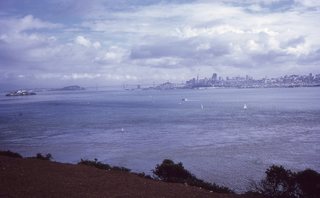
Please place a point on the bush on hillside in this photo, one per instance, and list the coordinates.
(308, 182)
(97, 164)
(10, 154)
(169, 171)
(278, 183)
(47, 157)
(120, 168)
(282, 183)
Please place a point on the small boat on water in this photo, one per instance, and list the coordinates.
(185, 99)
(245, 106)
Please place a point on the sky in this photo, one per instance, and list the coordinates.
(52, 43)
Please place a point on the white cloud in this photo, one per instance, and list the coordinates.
(113, 54)
(16, 25)
(309, 3)
(96, 44)
(81, 40)
(172, 39)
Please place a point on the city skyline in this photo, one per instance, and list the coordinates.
(103, 42)
(286, 81)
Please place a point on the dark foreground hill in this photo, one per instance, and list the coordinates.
(41, 178)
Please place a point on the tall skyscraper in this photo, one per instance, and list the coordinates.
(214, 77)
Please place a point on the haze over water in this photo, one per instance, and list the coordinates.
(221, 142)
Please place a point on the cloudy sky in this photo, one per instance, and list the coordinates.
(103, 42)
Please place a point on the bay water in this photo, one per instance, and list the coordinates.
(208, 130)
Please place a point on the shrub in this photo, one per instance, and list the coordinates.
(308, 182)
(120, 168)
(48, 156)
(169, 171)
(282, 183)
(10, 154)
(95, 163)
(278, 183)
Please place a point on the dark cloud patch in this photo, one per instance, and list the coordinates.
(270, 58)
(217, 49)
(7, 58)
(73, 11)
(280, 6)
(170, 49)
(120, 5)
(12, 58)
(312, 58)
(253, 6)
(65, 11)
(294, 42)
(185, 49)
(258, 60)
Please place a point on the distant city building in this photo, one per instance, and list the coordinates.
(214, 77)
(309, 80)
(249, 82)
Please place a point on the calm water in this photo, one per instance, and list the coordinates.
(221, 142)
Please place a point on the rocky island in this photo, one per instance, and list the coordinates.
(69, 88)
(21, 93)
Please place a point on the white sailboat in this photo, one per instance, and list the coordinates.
(245, 106)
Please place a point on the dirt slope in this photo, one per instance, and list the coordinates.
(38, 178)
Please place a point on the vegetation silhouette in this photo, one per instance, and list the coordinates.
(97, 164)
(308, 182)
(278, 182)
(47, 157)
(10, 154)
(169, 171)
(282, 183)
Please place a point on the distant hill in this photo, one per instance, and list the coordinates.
(69, 88)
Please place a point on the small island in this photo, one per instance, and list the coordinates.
(69, 88)
(21, 93)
